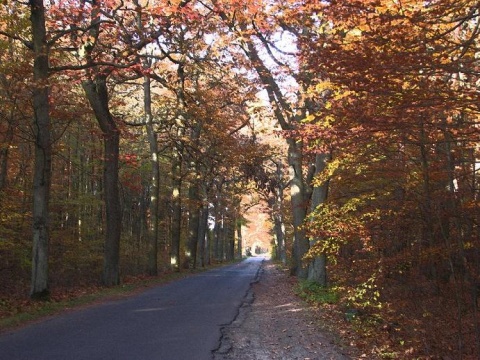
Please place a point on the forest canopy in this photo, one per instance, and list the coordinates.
(132, 134)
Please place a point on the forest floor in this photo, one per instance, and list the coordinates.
(275, 323)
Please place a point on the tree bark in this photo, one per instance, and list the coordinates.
(277, 215)
(155, 181)
(202, 232)
(4, 156)
(317, 269)
(153, 222)
(177, 210)
(97, 94)
(229, 235)
(193, 225)
(299, 210)
(279, 228)
(239, 239)
(43, 154)
(287, 119)
(195, 202)
(3, 167)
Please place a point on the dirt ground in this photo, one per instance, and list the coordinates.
(275, 324)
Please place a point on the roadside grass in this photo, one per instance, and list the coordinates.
(15, 312)
(312, 292)
(350, 323)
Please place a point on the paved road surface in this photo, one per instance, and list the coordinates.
(177, 321)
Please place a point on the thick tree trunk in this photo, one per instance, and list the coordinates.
(279, 225)
(317, 269)
(43, 151)
(279, 228)
(155, 182)
(299, 210)
(97, 95)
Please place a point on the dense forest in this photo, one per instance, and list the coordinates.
(131, 132)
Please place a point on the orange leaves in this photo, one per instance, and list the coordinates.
(393, 104)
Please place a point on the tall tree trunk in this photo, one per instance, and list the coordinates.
(219, 234)
(194, 201)
(155, 181)
(229, 231)
(7, 139)
(217, 230)
(217, 250)
(177, 165)
(426, 209)
(193, 225)
(4, 156)
(177, 210)
(202, 233)
(299, 210)
(279, 225)
(239, 239)
(43, 151)
(208, 247)
(288, 118)
(317, 269)
(97, 94)
(153, 223)
(279, 229)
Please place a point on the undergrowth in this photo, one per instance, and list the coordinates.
(313, 292)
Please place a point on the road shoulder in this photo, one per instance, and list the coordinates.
(274, 323)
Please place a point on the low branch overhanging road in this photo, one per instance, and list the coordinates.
(178, 321)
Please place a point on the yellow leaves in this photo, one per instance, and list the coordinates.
(353, 34)
(324, 85)
(327, 174)
(309, 118)
(324, 28)
(366, 294)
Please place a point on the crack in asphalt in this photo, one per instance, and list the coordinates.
(225, 344)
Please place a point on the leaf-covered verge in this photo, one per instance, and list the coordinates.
(420, 321)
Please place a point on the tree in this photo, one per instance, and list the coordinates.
(155, 174)
(43, 152)
(97, 93)
(398, 96)
(288, 113)
(111, 49)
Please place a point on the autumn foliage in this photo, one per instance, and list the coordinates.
(200, 116)
(396, 85)
(386, 91)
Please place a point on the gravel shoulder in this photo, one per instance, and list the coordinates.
(274, 323)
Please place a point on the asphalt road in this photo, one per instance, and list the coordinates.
(178, 321)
